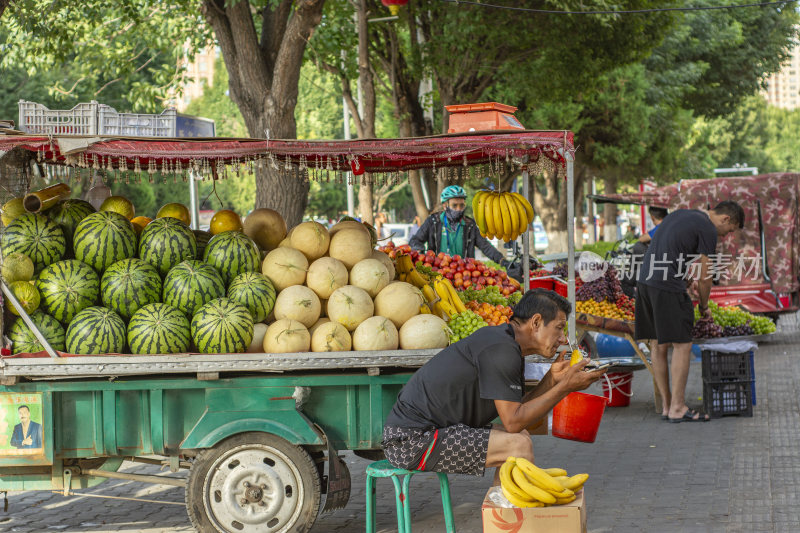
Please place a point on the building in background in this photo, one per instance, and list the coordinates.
(783, 87)
(199, 72)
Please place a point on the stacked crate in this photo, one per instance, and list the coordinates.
(728, 383)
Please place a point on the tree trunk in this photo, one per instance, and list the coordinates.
(610, 210)
(3, 6)
(367, 89)
(264, 71)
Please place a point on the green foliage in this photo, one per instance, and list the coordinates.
(217, 105)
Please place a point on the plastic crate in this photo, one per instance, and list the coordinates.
(110, 122)
(36, 119)
(724, 398)
(718, 366)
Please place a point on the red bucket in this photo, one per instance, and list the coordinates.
(621, 385)
(577, 417)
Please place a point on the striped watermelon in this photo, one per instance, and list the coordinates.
(158, 328)
(202, 238)
(103, 238)
(255, 291)
(68, 214)
(128, 285)
(222, 326)
(66, 288)
(232, 253)
(26, 342)
(191, 285)
(165, 242)
(36, 236)
(96, 330)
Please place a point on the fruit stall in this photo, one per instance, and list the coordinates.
(248, 354)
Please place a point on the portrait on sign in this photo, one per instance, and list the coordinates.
(21, 424)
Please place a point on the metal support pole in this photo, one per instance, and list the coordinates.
(194, 204)
(570, 239)
(526, 237)
(28, 322)
(156, 480)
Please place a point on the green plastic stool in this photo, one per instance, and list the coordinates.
(402, 494)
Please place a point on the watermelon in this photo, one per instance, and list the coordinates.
(96, 330)
(128, 285)
(66, 288)
(222, 326)
(192, 284)
(202, 238)
(68, 214)
(26, 342)
(36, 236)
(255, 291)
(165, 242)
(232, 253)
(103, 238)
(158, 328)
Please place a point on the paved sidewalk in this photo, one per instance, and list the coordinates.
(730, 475)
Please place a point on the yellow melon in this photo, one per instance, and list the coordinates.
(139, 223)
(119, 204)
(225, 220)
(266, 227)
(175, 210)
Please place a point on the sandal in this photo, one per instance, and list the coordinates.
(664, 417)
(689, 416)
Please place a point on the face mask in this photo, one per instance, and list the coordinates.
(453, 215)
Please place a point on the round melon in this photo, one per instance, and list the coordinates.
(139, 223)
(331, 337)
(120, 205)
(255, 291)
(16, 267)
(377, 333)
(325, 275)
(158, 329)
(67, 287)
(202, 238)
(373, 234)
(387, 262)
(257, 344)
(287, 336)
(423, 332)
(36, 236)
(68, 214)
(224, 220)
(370, 275)
(398, 302)
(222, 326)
(165, 242)
(299, 303)
(312, 239)
(103, 238)
(348, 223)
(175, 210)
(128, 285)
(350, 306)
(190, 285)
(24, 341)
(318, 323)
(11, 210)
(285, 243)
(266, 227)
(232, 253)
(96, 330)
(285, 267)
(350, 246)
(26, 294)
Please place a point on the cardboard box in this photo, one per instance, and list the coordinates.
(569, 518)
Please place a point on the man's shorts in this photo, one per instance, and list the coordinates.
(663, 315)
(456, 449)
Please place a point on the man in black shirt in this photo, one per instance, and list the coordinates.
(664, 311)
(441, 421)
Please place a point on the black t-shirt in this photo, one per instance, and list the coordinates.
(681, 238)
(460, 383)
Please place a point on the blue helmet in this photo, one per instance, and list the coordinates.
(452, 191)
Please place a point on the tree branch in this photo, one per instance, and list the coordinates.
(3, 6)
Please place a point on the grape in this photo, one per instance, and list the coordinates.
(731, 322)
(464, 324)
(490, 294)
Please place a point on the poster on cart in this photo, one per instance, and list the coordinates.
(21, 424)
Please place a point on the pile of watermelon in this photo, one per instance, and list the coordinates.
(103, 281)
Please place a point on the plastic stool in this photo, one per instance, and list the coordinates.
(402, 494)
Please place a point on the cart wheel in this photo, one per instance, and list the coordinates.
(253, 482)
(588, 345)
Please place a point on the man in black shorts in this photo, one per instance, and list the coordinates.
(441, 421)
(664, 311)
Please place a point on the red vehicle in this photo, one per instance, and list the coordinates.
(759, 265)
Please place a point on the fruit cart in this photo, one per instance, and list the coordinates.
(258, 432)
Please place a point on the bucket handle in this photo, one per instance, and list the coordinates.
(610, 391)
(617, 385)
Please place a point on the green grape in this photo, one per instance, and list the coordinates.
(464, 324)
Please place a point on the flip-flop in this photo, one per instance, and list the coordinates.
(688, 416)
(664, 417)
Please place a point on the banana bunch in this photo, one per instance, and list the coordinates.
(504, 215)
(406, 271)
(441, 298)
(526, 485)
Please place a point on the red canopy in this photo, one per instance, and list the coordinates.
(371, 155)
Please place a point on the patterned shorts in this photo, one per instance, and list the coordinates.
(457, 449)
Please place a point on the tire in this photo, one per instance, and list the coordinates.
(282, 493)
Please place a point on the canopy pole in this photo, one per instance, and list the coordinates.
(526, 237)
(570, 237)
(351, 201)
(194, 206)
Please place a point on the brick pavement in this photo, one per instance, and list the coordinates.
(730, 475)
